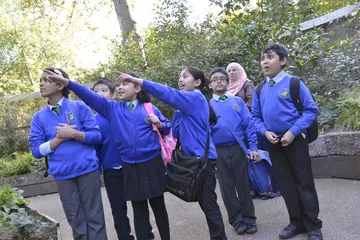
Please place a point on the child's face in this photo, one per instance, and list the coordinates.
(47, 87)
(271, 64)
(104, 91)
(218, 83)
(187, 82)
(127, 91)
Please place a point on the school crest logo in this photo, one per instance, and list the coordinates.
(236, 107)
(71, 116)
(284, 93)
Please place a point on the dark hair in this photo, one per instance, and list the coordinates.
(279, 49)
(142, 96)
(65, 91)
(110, 84)
(203, 87)
(219, 70)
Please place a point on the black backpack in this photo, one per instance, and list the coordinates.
(312, 131)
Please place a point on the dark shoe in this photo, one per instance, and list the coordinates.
(240, 228)
(251, 228)
(315, 235)
(291, 231)
(151, 236)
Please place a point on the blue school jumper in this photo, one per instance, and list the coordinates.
(277, 112)
(107, 151)
(233, 123)
(194, 116)
(133, 134)
(71, 158)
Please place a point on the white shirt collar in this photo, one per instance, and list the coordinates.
(216, 97)
(280, 76)
(60, 102)
(135, 102)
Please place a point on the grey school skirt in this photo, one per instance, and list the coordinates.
(144, 180)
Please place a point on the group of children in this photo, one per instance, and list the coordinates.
(122, 138)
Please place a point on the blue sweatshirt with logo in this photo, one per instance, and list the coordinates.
(107, 151)
(277, 113)
(233, 123)
(71, 158)
(192, 120)
(134, 136)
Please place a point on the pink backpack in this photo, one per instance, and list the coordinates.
(168, 142)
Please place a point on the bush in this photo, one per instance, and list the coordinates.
(20, 163)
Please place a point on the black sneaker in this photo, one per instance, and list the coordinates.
(151, 236)
(251, 228)
(291, 231)
(240, 228)
(315, 235)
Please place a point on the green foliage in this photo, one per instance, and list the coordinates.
(13, 215)
(20, 163)
(349, 108)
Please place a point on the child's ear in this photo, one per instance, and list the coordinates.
(197, 82)
(60, 87)
(137, 88)
(283, 61)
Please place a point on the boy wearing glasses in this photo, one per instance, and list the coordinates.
(233, 123)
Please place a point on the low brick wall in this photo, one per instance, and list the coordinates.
(34, 184)
(336, 155)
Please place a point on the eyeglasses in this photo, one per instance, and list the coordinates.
(220, 79)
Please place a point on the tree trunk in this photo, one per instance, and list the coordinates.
(127, 24)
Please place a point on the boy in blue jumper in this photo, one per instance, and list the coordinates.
(65, 131)
(277, 118)
(234, 122)
(112, 167)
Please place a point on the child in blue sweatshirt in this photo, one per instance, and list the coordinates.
(138, 146)
(191, 124)
(112, 167)
(234, 123)
(65, 131)
(277, 118)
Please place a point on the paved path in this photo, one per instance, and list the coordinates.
(339, 203)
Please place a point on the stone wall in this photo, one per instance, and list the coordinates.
(336, 155)
(34, 184)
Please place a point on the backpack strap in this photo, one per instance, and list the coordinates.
(259, 88)
(295, 93)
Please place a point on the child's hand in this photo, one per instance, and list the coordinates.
(254, 156)
(155, 120)
(272, 137)
(126, 77)
(53, 77)
(287, 139)
(65, 131)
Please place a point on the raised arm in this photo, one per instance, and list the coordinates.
(180, 100)
(99, 103)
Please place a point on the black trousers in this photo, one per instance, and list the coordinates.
(141, 217)
(114, 184)
(232, 172)
(208, 204)
(293, 173)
